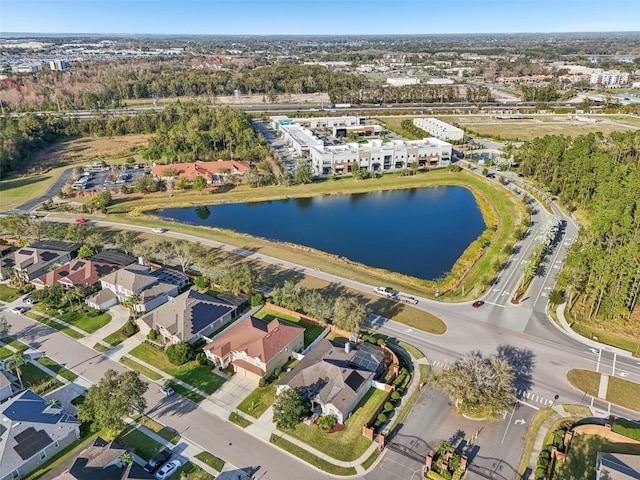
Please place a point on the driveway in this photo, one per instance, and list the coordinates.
(234, 390)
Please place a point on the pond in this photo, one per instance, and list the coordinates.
(419, 232)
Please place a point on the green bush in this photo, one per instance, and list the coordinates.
(399, 379)
(179, 353)
(130, 328)
(380, 342)
(257, 299)
(388, 406)
(541, 473)
(262, 382)
(432, 474)
(382, 417)
(396, 395)
(152, 335)
(201, 282)
(627, 428)
(366, 338)
(327, 422)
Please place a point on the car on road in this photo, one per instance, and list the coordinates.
(168, 469)
(409, 300)
(168, 391)
(81, 220)
(158, 230)
(386, 291)
(19, 310)
(157, 460)
(477, 304)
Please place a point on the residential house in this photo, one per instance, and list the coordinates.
(5, 385)
(31, 432)
(617, 466)
(114, 258)
(81, 273)
(188, 317)
(255, 348)
(118, 286)
(37, 258)
(213, 172)
(99, 461)
(335, 377)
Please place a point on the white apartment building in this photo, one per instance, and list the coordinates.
(439, 129)
(402, 81)
(609, 79)
(379, 156)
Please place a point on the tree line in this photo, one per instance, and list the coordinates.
(600, 176)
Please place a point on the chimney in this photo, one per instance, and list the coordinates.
(347, 347)
(141, 260)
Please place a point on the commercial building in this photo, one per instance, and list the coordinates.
(403, 81)
(609, 79)
(439, 129)
(57, 65)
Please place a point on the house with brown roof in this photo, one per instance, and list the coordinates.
(134, 279)
(255, 348)
(335, 377)
(188, 317)
(212, 172)
(81, 273)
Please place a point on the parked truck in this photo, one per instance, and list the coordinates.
(340, 105)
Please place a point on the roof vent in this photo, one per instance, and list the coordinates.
(347, 347)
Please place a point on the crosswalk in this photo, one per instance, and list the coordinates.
(523, 395)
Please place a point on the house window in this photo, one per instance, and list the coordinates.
(43, 455)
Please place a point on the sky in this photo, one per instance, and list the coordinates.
(318, 17)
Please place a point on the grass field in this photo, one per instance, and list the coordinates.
(141, 444)
(190, 373)
(18, 345)
(348, 444)
(258, 401)
(147, 372)
(310, 458)
(168, 434)
(211, 460)
(7, 293)
(584, 380)
(620, 392)
(58, 369)
(52, 161)
(239, 420)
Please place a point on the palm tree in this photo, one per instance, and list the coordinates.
(130, 302)
(13, 364)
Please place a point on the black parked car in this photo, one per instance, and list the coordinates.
(158, 459)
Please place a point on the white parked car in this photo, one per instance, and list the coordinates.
(386, 291)
(19, 310)
(158, 230)
(168, 469)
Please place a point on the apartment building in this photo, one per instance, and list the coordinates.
(439, 129)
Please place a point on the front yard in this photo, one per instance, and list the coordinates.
(37, 380)
(348, 444)
(198, 377)
(7, 293)
(311, 332)
(258, 401)
(89, 322)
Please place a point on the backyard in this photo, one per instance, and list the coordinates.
(198, 377)
(349, 443)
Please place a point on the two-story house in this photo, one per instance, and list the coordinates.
(135, 279)
(81, 273)
(37, 258)
(255, 348)
(31, 432)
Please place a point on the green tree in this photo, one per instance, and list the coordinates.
(240, 279)
(130, 303)
(478, 384)
(14, 363)
(303, 173)
(88, 250)
(51, 297)
(290, 408)
(327, 422)
(116, 396)
(179, 353)
(199, 184)
(100, 201)
(128, 241)
(349, 313)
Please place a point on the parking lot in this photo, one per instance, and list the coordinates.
(279, 148)
(112, 177)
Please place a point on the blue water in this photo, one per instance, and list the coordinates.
(418, 232)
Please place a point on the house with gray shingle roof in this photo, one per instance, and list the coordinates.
(189, 316)
(31, 432)
(335, 377)
(36, 259)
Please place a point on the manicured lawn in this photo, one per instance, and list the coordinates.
(37, 380)
(133, 365)
(85, 321)
(185, 392)
(168, 434)
(239, 420)
(624, 393)
(192, 472)
(100, 348)
(59, 369)
(258, 401)
(190, 373)
(57, 325)
(577, 410)
(114, 339)
(586, 381)
(348, 444)
(7, 293)
(371, 460)
(142, 445)
(417, 354)
(311, 332)
(581, 459)
(211, 460)
(5, 353)
(625, 342)
(310, 458)
(19, 346)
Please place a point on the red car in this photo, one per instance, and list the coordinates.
(81, 220)
(477, 304)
